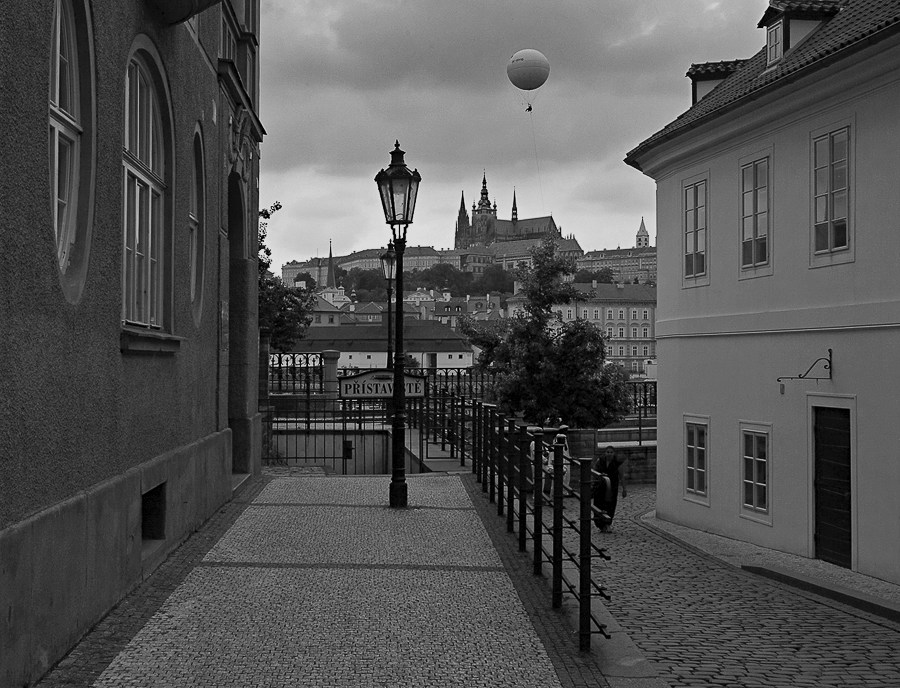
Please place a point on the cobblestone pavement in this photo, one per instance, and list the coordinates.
(708, 623)
(313, 581)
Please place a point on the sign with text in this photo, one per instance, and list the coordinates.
(379, 384)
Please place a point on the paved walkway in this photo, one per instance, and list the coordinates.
(313, 581)
(308, 580)
(684, 600)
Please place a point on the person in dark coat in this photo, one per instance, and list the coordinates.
(606, 489)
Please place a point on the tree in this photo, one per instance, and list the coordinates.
(602, 276)
(494, 278)
(544, 366)
(285, 311)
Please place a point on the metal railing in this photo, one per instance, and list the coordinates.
(507, 461)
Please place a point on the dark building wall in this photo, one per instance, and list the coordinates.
(87, 425)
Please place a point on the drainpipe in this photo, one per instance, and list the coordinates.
(175, 11)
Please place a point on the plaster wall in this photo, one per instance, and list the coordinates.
(723, 342)
(87, 424)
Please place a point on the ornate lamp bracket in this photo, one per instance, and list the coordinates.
(826, 365)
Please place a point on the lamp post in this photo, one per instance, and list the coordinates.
(389, 268)
(398, 187)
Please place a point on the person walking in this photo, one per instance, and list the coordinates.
(606, 488)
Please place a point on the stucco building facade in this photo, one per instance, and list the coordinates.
(779, 303)
(129, 362)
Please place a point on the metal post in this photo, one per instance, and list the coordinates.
(390, 362)
(347, 454)
(498, 461)
(512, 464)
(398, 488)
(462, 433)
(523, 475)
(584, 556)
(556, 583)
(538, 464)
(492, 457)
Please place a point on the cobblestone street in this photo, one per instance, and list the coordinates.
(312, 581)
(707, 623)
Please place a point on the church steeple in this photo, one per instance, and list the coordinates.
(330, 280)
(642, 240)
(484, 203)
(515, 210)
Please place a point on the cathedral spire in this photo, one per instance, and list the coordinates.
(515, 210)
(462, 202)
(329, 280)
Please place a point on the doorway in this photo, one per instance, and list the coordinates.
(832, 485)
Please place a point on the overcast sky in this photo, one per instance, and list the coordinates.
(342, 79)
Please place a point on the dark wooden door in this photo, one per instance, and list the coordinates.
(831, 437)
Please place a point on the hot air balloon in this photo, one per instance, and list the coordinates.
(528, 69)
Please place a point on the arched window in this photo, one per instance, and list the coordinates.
(196, 227)
(65, 129)
(71, 141)
(144, 185)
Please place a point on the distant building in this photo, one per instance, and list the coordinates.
(431, 343)
(626, 264)
(485, 228)
(778, 205)
(626, 313)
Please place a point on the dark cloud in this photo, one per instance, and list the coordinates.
(342, 79)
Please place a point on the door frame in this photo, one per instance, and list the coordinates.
(841, 401)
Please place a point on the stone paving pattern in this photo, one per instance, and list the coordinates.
(313, 581)
(306, 580)
(705, 622)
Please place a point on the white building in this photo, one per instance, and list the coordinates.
(778, 209)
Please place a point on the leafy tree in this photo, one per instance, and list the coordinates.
(494, 278)
(545, 366)
(284, 311)
(603, 276)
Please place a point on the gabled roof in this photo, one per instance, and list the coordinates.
(854, 26)
(522, 246)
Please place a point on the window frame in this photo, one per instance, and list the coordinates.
(72, 208)
(752, 511)
(691, 215)
(689, 463)
(197, 226)
(148, 163)
(775, 43)
(833, 255)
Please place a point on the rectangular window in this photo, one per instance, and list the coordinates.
(755, 467)
(634, 333)
(646, 351)
(831, 182)
(609, 314)
(695, 229)
(774, 43)
(621, 314)
(755, 213)
(634, 314)
(621, 332)
(621, 351)
(644, 316)
(596, 314)
(696, 435)
(645, 332)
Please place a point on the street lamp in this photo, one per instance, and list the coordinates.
(389, 268)
(398, 187)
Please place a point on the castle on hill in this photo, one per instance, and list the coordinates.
(485, 228)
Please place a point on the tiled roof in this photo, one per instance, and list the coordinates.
(801, 10)
(714, 70)
(520, 247)
(857, 21)
(418, 336)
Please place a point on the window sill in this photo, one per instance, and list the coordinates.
(132, 341)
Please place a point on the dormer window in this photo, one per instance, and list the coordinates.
(775, 42)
